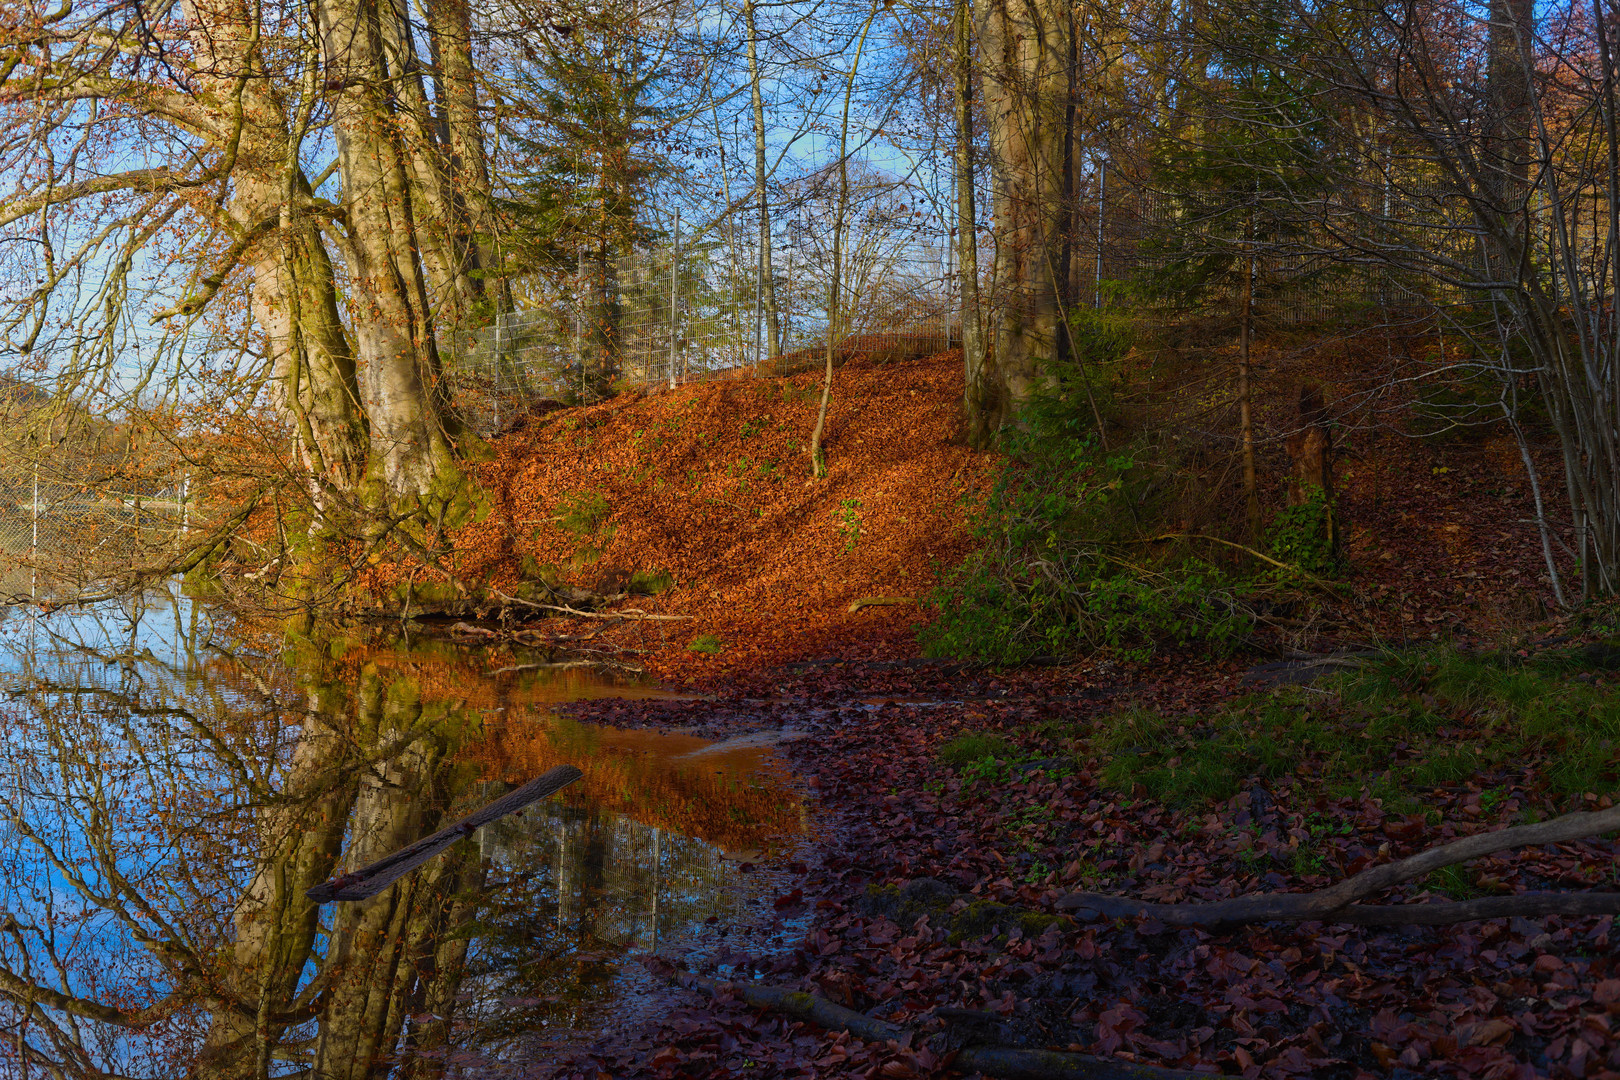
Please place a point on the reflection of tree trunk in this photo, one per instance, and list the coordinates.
(592, 873)
(300, 834)
(440, 958)
(376, 944)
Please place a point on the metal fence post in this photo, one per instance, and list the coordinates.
(33, 548)
(500, 363)
(579, 322)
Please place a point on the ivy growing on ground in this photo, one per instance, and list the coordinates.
(1063, 562)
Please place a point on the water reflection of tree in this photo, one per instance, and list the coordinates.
(169, 813)
(171, 819)
(572, 890)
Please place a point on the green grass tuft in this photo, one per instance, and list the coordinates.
(1404, 725)
(707, 644)
(967, 749)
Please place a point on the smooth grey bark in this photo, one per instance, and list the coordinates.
(967, 231)
(767, 269)
(411, 423)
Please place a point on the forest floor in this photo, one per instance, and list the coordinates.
(958, 805)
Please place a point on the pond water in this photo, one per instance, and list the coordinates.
(172, 786)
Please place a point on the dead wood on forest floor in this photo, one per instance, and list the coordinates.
(1338, 903)
(1007, 1062)
(881, 601)
(635, 614)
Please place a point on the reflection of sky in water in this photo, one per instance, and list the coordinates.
(133, 752)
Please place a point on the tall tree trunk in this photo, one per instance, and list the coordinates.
(835, 328)
(462, 136)
(294, 299)
(975, 408)
(447, 253)
(767, 269)
(605, 359)
(411, 423)
(1024, 46)
(1245, 394)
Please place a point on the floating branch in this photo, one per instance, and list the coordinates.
(370, 880)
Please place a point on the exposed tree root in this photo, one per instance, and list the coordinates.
(1339, 903)
(1008, 1062)
(373, 878)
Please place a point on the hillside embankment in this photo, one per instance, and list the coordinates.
(703, 497)
(704, 493)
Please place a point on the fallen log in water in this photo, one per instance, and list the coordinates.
(373, 878)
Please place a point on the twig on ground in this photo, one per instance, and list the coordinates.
(1007, 1062)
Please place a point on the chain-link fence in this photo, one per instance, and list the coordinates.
(668, 316)
(83, 503)
(672, 314)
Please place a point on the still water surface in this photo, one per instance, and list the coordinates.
(170, 787)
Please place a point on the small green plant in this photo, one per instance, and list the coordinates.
(1037, 872)
(1401, 727)
(707, 644)
(1302, 536)
(988, 770)
(848, 520)
(581, 512)
(966, 749)
(651, 582)
(1307, 861)
(1453, 881)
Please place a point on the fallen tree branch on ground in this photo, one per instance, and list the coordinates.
(621, 613)
(373, 878)
(1005, 1062)
(1339, 903)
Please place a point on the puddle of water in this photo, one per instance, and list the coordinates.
(174, 793)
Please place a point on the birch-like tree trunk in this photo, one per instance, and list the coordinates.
(974, 390)
(767, 270)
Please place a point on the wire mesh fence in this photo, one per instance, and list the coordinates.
(82, 506)
(673, 314)
(666, 318)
